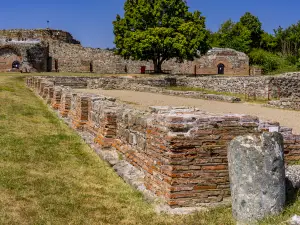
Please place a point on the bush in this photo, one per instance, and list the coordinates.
(267, 60)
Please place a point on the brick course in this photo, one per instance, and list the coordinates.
(181, 151)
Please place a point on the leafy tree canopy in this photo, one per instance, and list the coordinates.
(233, 35)
(253, 24)
(243, 35)
(159, 30)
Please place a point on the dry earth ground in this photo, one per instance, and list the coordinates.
(143, 100)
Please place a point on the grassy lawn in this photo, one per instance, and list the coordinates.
(48, 175)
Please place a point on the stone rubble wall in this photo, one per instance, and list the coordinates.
(286, 103)
(153, 85)
(67, 55)
(236, 85)
(38, 34)
(32, 56)
(284, 85)
(76, 58)
(182, 152)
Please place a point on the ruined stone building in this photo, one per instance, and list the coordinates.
(47, 50)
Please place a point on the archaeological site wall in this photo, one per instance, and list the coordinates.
(75, 58)
(30, 55)
(67, 55)
(284, 85)
(37, 34)
(181, 152)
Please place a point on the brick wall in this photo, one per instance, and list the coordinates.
(182, 151)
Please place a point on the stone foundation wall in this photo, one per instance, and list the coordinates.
(75, 58)
(286, 103)
(266, 87)
(284, 85)
(67, 55)
(182, 152)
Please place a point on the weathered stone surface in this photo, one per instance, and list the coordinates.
(181, 151)
(257, 176)
(286, 103)
(67, 55)
(293, 175)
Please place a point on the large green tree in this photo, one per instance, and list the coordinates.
(253, 24)
(159, 30)
(289, 40)
(233, 35)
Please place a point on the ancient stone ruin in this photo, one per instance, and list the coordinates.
(48, 50)
(257, 176)
(177, 153)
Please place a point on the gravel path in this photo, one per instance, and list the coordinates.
(144, 100)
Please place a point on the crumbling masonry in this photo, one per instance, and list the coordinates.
(181, 152)
(47, 50)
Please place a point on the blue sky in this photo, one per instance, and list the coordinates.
(90, 21)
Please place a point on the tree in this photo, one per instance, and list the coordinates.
(235, 36)
(159, 30)
(268, 42)
(253, 24)
(289, 40)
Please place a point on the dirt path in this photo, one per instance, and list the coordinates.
(144, 100)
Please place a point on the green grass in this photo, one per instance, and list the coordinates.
(286, 69)
(208, 91)
(48, 175)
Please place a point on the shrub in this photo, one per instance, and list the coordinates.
(267, 60)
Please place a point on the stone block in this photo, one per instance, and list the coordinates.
(257, 176)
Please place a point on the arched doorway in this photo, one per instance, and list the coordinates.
(221, 68)
(10, 58)
(16, 65)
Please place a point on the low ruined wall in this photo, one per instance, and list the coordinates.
(182, 152)
(153, 85)
(284, 85)
(75, 58)
(292, 103)
(236, 85)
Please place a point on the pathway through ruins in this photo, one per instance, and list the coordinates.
(143, 100)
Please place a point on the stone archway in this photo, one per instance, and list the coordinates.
(221, 68)
(9, 56)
